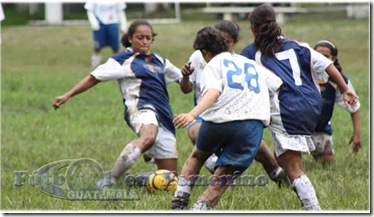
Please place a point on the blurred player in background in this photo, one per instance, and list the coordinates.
(106, 18)
(234, 107)
(322, 135)
(193, 69)
(142, 77)
(297, 105)
(2, 17)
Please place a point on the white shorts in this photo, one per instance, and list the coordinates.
(323, 143)
(165, 145)
(282, 141)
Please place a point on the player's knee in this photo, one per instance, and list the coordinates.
(192, 133)
(148, 139)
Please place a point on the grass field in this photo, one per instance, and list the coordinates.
(42, 62)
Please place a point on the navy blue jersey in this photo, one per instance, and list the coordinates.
(299, 98)
(142, 80)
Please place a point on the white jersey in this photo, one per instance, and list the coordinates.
(198, 63)
(244, 87)
(106, 11)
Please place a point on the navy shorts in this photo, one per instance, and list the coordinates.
(235, 143)
(196, 121)
(107, 35)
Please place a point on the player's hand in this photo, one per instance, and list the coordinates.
(59, 101)
(187, 69)
(183, 120)
(123, 29)
(95, 27)
(350, 99)
(356, 143)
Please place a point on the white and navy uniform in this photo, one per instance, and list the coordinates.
(331, 95)
(107, 14)
(297, 105)
(233, 125)
(142, 80)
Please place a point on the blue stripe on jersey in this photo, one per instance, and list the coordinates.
(300, 105)
(328, 101)
(153, 91)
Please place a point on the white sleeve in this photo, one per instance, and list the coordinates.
(111, 70)
(211, 77)
(273, 82)
(193, 65)
(339, 99)
(93, 21)
(122, 16)
(172, 73)
(122, 20)
(89, 6)
(319, 64)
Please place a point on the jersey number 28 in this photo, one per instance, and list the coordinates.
(250, 78)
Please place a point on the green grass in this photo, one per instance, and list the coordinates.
(42, 62)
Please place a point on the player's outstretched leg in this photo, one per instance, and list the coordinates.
(132, 151)
(270, 165)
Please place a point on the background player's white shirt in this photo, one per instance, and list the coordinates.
(106, 11)
(319, 64)
(233, 75)
(198, 63)
(2, 16)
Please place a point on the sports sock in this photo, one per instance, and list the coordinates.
(305, 191)
(95, 60)
(126, 160)
(184, 185)
(211, 162)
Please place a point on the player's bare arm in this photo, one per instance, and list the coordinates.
(350, 97)
(85, 84)
(185, 84)
(209, 98)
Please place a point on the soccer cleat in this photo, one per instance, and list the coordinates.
(201, 206)
(103, 183)
(180, 201)
(311, 205)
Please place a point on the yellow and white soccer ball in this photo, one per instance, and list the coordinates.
(162, 180)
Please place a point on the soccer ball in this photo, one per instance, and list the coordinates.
(162, 180)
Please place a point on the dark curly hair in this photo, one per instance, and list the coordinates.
(210, 39)
(267, 37)
(125, 38)
(333, 49)
(230, 28)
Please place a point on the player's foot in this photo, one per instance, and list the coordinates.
(201, 206)
(103, 183)
(180, 201)
(308, 206)
(282, 179)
